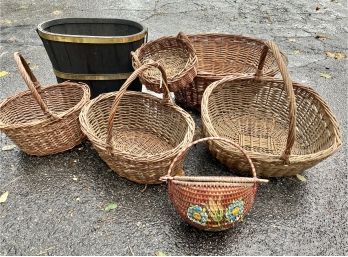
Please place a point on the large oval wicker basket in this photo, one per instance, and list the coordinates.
(286, 127)
(212, 203)
(220, 55)
(177, 56)
(137, 134)
(43, 121)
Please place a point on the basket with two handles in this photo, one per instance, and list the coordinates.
(220, 55)
(176, 55)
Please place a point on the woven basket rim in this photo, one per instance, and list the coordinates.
(170, 80)
(80, 104)
(213, 75)
(226, 35)
(153, 158)
(294, 158)
(156, 41)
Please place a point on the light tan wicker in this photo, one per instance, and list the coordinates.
(43, 121)
(137, 134)
(260, 114)
(220, 55)
(176, 55)
(212, 203)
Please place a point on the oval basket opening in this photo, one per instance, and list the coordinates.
(92, 27)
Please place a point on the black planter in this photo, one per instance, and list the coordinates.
(93, 50)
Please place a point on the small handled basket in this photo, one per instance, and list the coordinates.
(285, 126)
(177, 56)
(137, 134)
(43, 121)
(212, 203)
(220, 55)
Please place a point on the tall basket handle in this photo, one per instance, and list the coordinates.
(166, 96)
(181, 155)
(289, 90)
(32, 83)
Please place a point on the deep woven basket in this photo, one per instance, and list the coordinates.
(137, 134)
(286, 127)
(43, 121)
(212, 203)
(220, 55)
(177, 56)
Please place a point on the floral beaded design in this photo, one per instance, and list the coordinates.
(234, 211)
(197, 214)
(216, 211)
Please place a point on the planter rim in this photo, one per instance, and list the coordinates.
(85, 39)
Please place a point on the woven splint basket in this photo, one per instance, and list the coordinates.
(212, 203)
(43, 121)
(220, 55)
(137, 134)
(286, 127)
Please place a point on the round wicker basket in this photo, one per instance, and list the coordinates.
(175, 54)
(43, 121)
(137, 134)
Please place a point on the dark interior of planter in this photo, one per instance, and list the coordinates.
(94, 29)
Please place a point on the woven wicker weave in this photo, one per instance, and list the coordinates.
(43, 121)
(137, 134)
(260, 114)
(177, 56)
(212, 203)
(220, 55)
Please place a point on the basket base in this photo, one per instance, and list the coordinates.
(139, 142)
(246, 130)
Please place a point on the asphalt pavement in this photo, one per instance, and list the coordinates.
(56, 204)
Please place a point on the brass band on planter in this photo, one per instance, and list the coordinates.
(92, 40)
(74, 76)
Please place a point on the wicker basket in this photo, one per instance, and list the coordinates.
(220, 55)
(285, 127)
(43, 121)
(212, 203)
(177, 56)
(137, 134)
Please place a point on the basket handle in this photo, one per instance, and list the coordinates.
(166, 96)
(182, 36)
(32, 83)
(289, 90)
(183, 151)
(135, 59)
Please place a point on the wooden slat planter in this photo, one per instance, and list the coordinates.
(91, 50)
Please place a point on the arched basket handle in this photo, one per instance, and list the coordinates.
(183, 37)
(181, 155)
(289, 90)
(166, 96)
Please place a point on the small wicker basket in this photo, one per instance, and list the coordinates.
(177, 56)
(286, 127)
(220, 55)
(43, 121)
(212, 203)
(137, 134)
